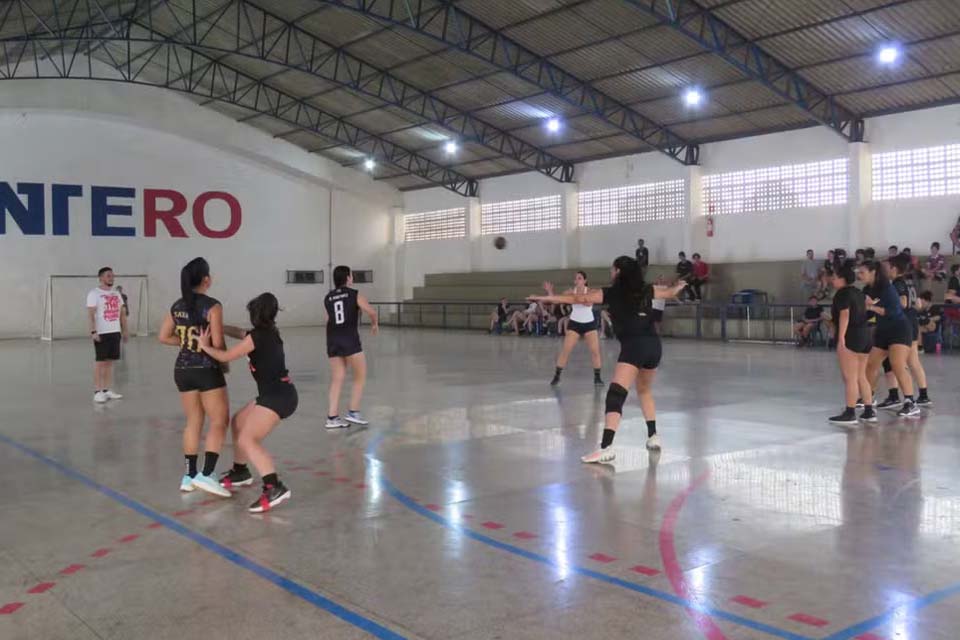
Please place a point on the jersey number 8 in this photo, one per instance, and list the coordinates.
(338, 316)
(189, 338)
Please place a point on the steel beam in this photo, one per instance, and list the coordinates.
(716, 36)
(446, 23)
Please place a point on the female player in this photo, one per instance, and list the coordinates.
(893, 335)
(853, 343)
(582, 324)
(276, 396)
(199, 378)
(899, 266)
(630, 301)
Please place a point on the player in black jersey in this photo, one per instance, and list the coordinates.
(276, 396)
(899, 267)
(854, 341)
(199, 378)
(343, 306)
(630, 300)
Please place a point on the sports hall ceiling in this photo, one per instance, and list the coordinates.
(440, 92)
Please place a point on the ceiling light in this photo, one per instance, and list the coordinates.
(553, 125)
(692, 97)
(450, 147)
(369, 164)
(888, 54)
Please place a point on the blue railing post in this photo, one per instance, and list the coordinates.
(723, 322)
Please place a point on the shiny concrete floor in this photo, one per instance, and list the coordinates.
(462, 512)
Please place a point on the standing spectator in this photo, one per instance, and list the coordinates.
(700, 273)
(809, 273)
(935, 268)
(643, 255)
(108, 327)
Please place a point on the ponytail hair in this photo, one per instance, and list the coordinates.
(846, 271)
(191, 277)
(629, 278)
(263, 311)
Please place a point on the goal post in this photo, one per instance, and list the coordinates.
(65, 309)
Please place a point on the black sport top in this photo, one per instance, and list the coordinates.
(188, 324)
(849, 297)
(501, 313)
(630, 313)
(907, 289)
(813, 313)
(267, 361)
(343, 312)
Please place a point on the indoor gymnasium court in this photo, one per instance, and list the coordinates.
(479, 319)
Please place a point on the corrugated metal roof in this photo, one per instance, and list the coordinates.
(614, 17)
(500, 13)
(389, 49)
(541, 35)
(756, 18)
(898, 97)
(385, 119)
(600, 60)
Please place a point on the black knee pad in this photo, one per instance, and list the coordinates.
(886, 365)
(616, 396)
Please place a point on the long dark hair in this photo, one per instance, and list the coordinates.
(586, 280)
(629, 278)
(263, 311)
(191, 276)
(846, 271)
(881, 281)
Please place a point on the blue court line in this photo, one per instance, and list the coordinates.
(411, 504)
(241, 561)
(884, 618)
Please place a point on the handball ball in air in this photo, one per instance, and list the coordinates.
(500, 242)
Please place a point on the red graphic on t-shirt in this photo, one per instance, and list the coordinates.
(111, 308)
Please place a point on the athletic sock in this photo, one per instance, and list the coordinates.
(607, 438)
(270, 479)
(332, 417)
(558, 372)
(893, 394)
(210, 462)
(907, 398)
(651, 428)
(923, 392)
(191, 465)
(596, 374)
(239, 466)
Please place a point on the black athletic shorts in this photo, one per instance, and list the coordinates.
(199, 379)
(895, 332)
(859, 340)
(915, 326)
(643, 352)
(343, 346)
(657, 315)
(583, 328)
(282, 400)
(108, 348)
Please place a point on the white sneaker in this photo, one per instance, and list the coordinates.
(210, 485)
(336, 423)
(186, 484)
(653, 442)
(112, 395)
(355, 418)
(100, 397)
(600, 456)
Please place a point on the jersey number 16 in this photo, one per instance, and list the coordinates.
(189, 338)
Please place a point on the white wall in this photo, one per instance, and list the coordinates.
(111, 134)
(778, 235)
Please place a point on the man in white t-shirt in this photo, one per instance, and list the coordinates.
(108, 326)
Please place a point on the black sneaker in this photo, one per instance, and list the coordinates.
(234, 478)
(924, 401)
(598, 381)
(890, 404)
(860, 403)
(868, 415)
(909, 410)
(848, 417)
(272, 496)
(555, 381)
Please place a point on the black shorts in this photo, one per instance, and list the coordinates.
(858, 340)
(915, 326)
(108, 348)
(657, 315)
(199, 379)
(583, 328)
(343, 346)
(895, 332)
(643, 352)
(282, 400)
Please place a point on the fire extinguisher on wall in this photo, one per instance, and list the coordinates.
(709, 226)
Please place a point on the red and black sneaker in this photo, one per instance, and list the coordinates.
(272, 496)
(235, 478)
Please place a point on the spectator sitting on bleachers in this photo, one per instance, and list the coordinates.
(952, 295)
(811, 320)
(827, 265)
(892, 251)
(936, 267)
(562, 312)
(825, 287)
(684, 269)
(533, 314)
(699, 277)
(869, 254)
(955, 236)
(914, 269)
(929, 316)
(502, 318)
(643, 255)
(859, 256)
(809, 273)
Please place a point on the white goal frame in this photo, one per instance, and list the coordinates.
(143, 303)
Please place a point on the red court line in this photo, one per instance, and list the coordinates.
(671, 565)
(99, 553)
(432, 507)
(747, 601)
(154, 525)
(43, 586)
(868, 636)
(813, 621)
(602, 557)
(129, 538)
(647, 571)
(524, 535)
(72, 569)
(9, 608)
(184, 512)
(492, 525)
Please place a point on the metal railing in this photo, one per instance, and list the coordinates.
(753, 322)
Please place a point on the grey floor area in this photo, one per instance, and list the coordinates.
(463, 512)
